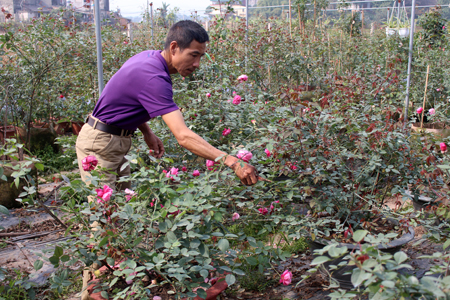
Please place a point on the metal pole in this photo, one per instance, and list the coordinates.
(147, 13)
(151, 16)
(246, 34)
(98, 36)
(408, 80)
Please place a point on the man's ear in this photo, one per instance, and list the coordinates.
(173, 47)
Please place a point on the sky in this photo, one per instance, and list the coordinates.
(134, 8)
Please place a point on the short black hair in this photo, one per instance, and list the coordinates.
(183, 32)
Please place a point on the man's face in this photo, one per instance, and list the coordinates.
(188, 60)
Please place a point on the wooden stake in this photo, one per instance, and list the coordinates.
(425, 96)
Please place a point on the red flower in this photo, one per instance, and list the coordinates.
(362, 258)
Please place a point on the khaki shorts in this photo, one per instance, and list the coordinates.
(110, 151)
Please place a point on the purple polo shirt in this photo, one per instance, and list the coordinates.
(139, 91)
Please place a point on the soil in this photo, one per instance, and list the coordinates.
(26, 228)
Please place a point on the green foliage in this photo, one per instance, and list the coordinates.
(14, 285)
(55, 162)
(433, 26)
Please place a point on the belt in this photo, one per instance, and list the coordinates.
(108, 128)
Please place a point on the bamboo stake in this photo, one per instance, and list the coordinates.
(351, 25)
(425, 96)
(290, 19)
(299, 20)
(362, 22)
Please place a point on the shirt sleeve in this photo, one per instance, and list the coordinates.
(157, 96)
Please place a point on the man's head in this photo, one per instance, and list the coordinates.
(186, 44)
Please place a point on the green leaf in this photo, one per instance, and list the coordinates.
(4, 210)
(230, 279)
(252, 261)
(103, 241)
(39, 166)
(208, 189)
(400, 257)
(239, 272)
(223, 245)
(171, 237)
(38, 264)
(58, 252)
(104, 294)
(446, 244)
(359, 235)
(201, 293)
(319, 260)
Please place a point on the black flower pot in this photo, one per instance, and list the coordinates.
(343, 274)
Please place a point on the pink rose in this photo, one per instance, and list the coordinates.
(104, 194)
(89, 163)
(235, 216)
(196, 173)
(437, 90)
(226, 131)
(419, 110)
(129, 194)
(125, 42)
(157, 298)
(208, 95)
(443, 147)
(243, 78)
(431, 111)
(294, 167)
(263, 210)
(184, 169)
(253, 122)
(174, 171)
(286, 278)
(210, 164)
(244, 155)
(237, 99)
(267, 152)
(165, 171)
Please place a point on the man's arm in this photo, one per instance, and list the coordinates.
(194, 143)
(152, 141)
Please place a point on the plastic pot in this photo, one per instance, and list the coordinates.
(339, 274)
(403, 32)
(390, 31)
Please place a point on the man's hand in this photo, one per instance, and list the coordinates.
(152, 141)
(154, 144)
(246, 173)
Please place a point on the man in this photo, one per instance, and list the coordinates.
(141, 90)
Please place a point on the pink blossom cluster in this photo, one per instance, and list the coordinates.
(432, 111)
(235, 216)
(267, 152)
(104, 194)
(210, 165)
(264, 210)
(243, 78)
(286, 277)
(129, 194)
(245, 155)
(237, 99)
(226, 131)
(89, 163)
(443, 147)
(419, 110)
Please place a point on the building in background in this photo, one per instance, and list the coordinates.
(25, 10)
(236, 8)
